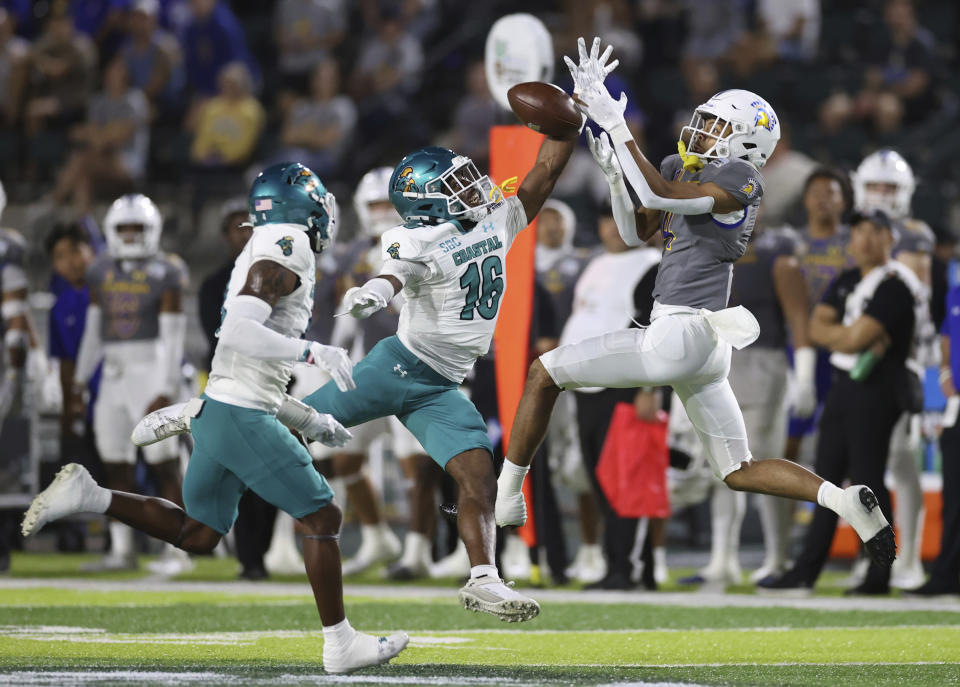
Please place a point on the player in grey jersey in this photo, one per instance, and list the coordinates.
(704, 201)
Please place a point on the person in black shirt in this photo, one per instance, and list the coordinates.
(870, 308)
(236, 232)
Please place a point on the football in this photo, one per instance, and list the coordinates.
(545, 108)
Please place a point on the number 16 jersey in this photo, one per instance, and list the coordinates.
(449, 315)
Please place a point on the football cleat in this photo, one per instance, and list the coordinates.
(907, 575)
(71, 491)
(510, 509)
(492, 595)
(457, 564)
(166, 422)
(112, 562)
(362, 651)
(380, 547)
(862, 511)
(173, 561)
(515, 558)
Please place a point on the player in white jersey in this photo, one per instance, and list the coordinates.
(704, 202)
(448, 259)
(884, 181)
(239, 442)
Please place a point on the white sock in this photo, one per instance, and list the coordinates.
(908, 512)
(369, 533)
(100, 499)
(121, 538)
(338, 635)
(829, 495)
(660, 557)
(511, 477)
(481, 570)
(416, 547)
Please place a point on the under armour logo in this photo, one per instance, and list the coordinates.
(398, 368)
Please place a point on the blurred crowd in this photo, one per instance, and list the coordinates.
(182, 99)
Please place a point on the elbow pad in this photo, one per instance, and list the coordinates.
(680, 206)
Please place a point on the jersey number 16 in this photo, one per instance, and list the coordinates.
(484, 286)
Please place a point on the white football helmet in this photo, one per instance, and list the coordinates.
(889, 168)
(374, 190)
(133, 208)
(750, 128)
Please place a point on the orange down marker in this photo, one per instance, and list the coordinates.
(513, 150)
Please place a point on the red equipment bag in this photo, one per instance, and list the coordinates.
(633, 464)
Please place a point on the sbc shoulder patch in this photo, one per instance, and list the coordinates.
(750, 188)
(286, 245)
(394, 250)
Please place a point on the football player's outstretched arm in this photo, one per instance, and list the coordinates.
(540, 180)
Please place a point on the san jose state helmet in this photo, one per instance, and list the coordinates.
(290, 193)
(371, 200)
(133, 209)
(750, 129)
(434, 185)
(889, 168)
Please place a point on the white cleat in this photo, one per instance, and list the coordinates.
(172, 562)
(907, 576)
(515, 558)
(492, 595)
(457, 564)
(588, 565)
(362, 651)
(113, 562)
(510, 509)
(166, 422)
(381, 548)
(862, 511)
(284, 560)
(72, 491)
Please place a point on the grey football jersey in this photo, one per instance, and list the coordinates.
(130, 293)
(699, 250)
(560, 281)
(914, 236)
(822, 259)
(753, 285)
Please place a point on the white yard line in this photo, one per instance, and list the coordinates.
(545, 596)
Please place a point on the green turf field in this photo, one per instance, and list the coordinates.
(98, 630)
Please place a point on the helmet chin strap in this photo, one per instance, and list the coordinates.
(691, 163)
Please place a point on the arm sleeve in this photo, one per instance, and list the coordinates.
(244, 331)
(516, 218)
(91, 346)
(892, 306)
(173, 331)
(623, 213)
(680, 206)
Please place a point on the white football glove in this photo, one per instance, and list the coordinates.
(803, 384)
(324, 428)
(603, 153)
(335, 361)
(803, 398)
(593, 68)
(362, 302)
(599, 105)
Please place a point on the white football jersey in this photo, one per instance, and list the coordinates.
(249, 382)
(448, 317)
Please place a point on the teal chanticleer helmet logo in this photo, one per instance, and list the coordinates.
(290, 193)
(434, 185)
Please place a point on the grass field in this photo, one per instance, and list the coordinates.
(118, 630)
